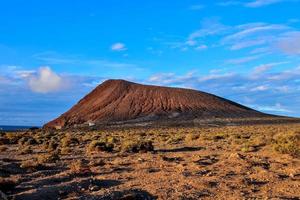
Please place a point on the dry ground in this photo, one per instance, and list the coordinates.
(232, 162)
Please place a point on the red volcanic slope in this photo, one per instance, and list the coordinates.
(119, 100)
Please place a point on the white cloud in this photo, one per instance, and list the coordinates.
(211, 77)
(253, 3)
(229, 3)
(238, 61)
(201, 47)
(45, 81)
(208, 27)
(246, 44)
(275, 108)
(259, 35)
(191, 42)
(254, 30)
(293, 74)
(118, 47)
(265, 67)
(260, 3)
(290, 43)
(260, 88)
(268, 92)
(24, 73)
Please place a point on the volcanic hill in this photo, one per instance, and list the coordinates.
(124, 101)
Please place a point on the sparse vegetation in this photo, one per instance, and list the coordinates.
(27, 141)
(69, 141)
(100, 145)
(175, 139)
(48, 158)
(217, 154)
(25, 150)
(191, 137)
(51, 146)
(31, 165)
(79, 167)
(136, 146)
(287, 143)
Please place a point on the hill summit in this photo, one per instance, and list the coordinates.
(121, 101)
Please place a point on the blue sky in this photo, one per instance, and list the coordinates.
(54, 52)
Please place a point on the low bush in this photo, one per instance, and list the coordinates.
(31, 165)
(132, 146)
(51, 146)
(65, 150)
(288, 143)
(248, 148)
(79, 167)
(100, 145)
(27, 141)
(68, 141)
(191, 137)
(48, 158)
(175, 139)
(25, 150)
(13, 137)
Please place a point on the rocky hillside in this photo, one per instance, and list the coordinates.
(120, 100)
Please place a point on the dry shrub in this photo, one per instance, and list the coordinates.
(191, 137)
(27, 141)
(100, 145)
(175, 139)
(25, 150)
(287, 143)
(79, 167)
(65, 150)
(132, 146)
(31, 165)
(52, 145)
(48, 158)
(69, 140)
(13, 137)
(248, 148)
(95, 163)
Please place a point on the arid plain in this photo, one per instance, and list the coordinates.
(236, 161)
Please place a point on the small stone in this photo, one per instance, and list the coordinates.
(94, 188)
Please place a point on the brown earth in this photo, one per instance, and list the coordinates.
(226, 162)
(119, 100)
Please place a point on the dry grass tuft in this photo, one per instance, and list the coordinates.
(131, 146)
(100, 145)
(287, 143)
(48, 158)
(79, 167)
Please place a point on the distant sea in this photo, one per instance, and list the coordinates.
(14, 128)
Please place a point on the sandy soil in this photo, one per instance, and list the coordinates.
(233, 162)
